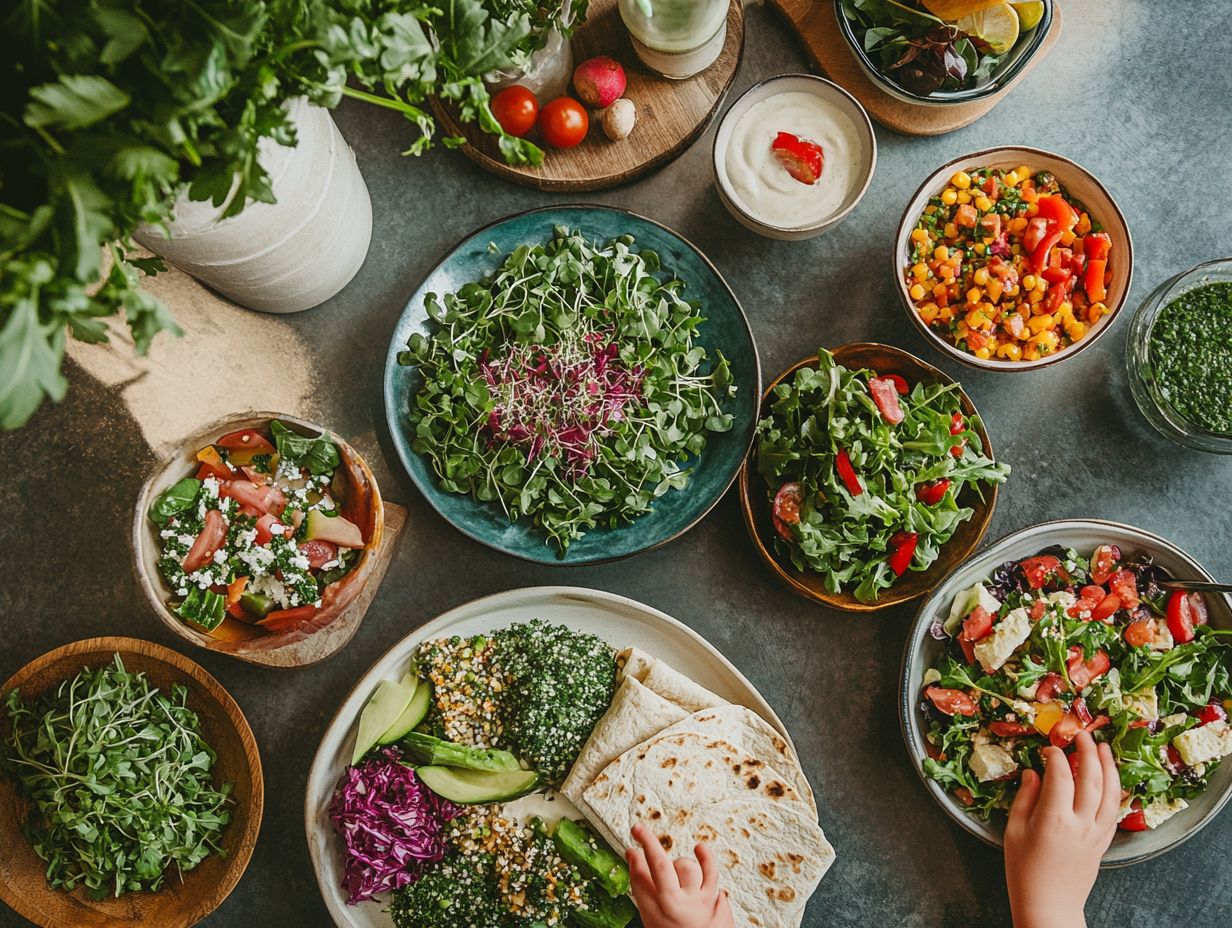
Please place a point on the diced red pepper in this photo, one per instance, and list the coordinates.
(1056, 209)
(903, 544)
(842, 463)
(803, 159)
(1056, 275)
(1096, 246)
(1039, 256)
(1093, 280)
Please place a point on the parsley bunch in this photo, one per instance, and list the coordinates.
(566, 387)
(119, 782)
(108, 109)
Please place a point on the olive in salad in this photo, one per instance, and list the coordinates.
(1060, 643)
(864, 471)
(253, 541)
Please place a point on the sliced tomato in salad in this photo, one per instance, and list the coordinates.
(930, 494)
(885, 395)
(1082, 672)
(1107, 608)
(285, 620)
(787, 509)
(1125, 585)
(1050, 685)
(268, 526)
(267, 499)
(318, 552)
(1063, 733)
(978, 624)
(1186, 611)
(951, 702)
(1089, 597)
(1041, 569)
(958, 425)
(968, 648)
(1140, 633)
(213, 534)
(1104, 563)
(1213, 711)
(1135, 820)
(1003, 729)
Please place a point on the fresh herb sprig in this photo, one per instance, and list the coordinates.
(119, 780)
(567, 387)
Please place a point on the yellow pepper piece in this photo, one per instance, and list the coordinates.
(1047, 714)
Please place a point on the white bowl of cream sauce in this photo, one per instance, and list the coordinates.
(755, 186)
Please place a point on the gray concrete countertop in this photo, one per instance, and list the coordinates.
(1138, 92)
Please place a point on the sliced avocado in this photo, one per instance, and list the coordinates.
(412, 715)
(585, 851)
(468, 787)
(257, 604)
(336, 529)
(384, 707)
(428, 750)
(603, 911)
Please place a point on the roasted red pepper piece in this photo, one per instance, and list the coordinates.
(842, 463)
(803, 159)
(903, 544)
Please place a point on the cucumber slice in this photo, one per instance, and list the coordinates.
(468, 787)
(412, 715)
(388, 702)
(433, 751)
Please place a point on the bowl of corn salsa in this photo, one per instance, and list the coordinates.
(1013, 258)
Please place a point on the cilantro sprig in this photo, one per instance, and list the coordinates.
(119, 780)
(567, 387)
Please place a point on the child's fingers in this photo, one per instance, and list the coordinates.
(640, 880)
(1110, 803)
(1089, 785)
(657, 861)
(688, 873)
(722, 917)
(1057, 790)
(710, 870)
(1024, 802)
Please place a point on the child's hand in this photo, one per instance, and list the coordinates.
(680, 894)
(1057, 834)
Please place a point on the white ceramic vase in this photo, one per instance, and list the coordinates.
(286, 256)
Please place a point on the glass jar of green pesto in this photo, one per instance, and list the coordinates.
(1180, 357)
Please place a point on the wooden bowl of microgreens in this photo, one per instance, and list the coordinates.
(96, 753)
(756, 508)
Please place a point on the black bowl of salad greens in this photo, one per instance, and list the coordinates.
(924, 59)
(1064, 627)
(573, 385)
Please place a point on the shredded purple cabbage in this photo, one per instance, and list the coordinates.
(391, 823)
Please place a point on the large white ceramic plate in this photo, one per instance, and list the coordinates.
(923, 651)
(617, 620)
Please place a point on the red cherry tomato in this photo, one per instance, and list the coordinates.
(1050, 684)
(1089, 597)
(932, 493)
(1103, 562)
(1038, 608)
(1065, 730)
(1135, 821)
(516, 109)
(1083, 672)
(318, 552)
(1212, 712)
(803, 159)
(963, 795)
(1125, 585)
(958, 425)
(563, 122)
(1010, 729)
(951, 702)
(1185, 611)
(1106, 609)
(885, 395)
(977, 624)
(268, 526)
(786, 509)
(1039, 570)
(968, 649)
(1139, 633)
(212, 535)
(900, 383)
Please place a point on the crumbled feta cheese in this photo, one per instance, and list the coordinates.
(1163, 640)
(210, 487)
(330, 565)
(1127, 806)
(1007, 635)
(220, 556)
(300, 562)
(1205, 743)
(1026, 711)
(1144, 704)
(1160, 810)
(1062, 598)
(1028, 692)
(1176, 718)
(991, 762)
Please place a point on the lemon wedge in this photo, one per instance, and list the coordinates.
(997, 25)
(1029, 13)
(956, 9)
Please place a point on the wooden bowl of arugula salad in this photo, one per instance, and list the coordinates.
(118, 721)
(871, 477)
(260, 539)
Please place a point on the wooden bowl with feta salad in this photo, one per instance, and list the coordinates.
(1065, 627)
(257, 537)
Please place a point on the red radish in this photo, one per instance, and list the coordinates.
(599, 81)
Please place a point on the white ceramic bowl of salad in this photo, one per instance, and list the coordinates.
(925, 650)
(793, 156)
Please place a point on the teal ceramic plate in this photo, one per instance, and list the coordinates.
(726, 329)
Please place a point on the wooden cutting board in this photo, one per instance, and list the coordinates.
(816, 22)
(670, 114)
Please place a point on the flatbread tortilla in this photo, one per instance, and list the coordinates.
(668, 682)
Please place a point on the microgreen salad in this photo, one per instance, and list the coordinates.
(865, 472)
(426, 809)
(566, 387)
(1060, 643)
(258, 534)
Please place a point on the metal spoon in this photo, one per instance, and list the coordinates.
(1197, 586)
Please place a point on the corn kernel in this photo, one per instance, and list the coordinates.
(919, 271)
(961, 180)
(974, 295)
(994, 289)
(1084, 224)
(1028, 282)
(1031, 353)
(919, 235)
(961, 329)
(1041, 285)
(1011, 178)
(1009, 352)
(983, 204)
(939, 291)
(978, 248)
(1035, 296)
(1017, 224)
(1038, 324)
(1067, 238)
(941, 253)
(1023, 172)
(1100, 308)
(946, 272)
(983, 353)
(1032, 206)
(1047, 341)
(951, 230)
(964, 197)
(917, 292)
(946, 314)
(929, 312)
(1075, 330)
(981, 276)
(1093, 313)
(949, 196)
